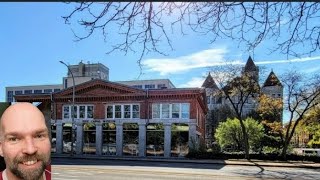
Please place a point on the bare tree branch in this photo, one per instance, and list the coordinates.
(143, 26)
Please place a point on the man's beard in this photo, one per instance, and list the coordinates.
(29, 174)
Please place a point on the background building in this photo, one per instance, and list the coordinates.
(83, 73)
(220, 107)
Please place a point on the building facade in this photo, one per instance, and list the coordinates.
(82, 73)
(114, 119)
(216, 99)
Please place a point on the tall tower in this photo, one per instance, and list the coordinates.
(272, 87)
(211, 92)
(251, 69)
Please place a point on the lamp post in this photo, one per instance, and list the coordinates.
(72, 109)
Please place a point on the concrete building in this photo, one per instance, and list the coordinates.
(83, 73)
(217, 100)
(35, 89)
(149, 84)
(114, 119)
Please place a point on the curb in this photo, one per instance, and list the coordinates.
(290, 164)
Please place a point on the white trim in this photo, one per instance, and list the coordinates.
(77, 106)
(121, 110)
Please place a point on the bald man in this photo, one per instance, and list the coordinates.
(24, 143)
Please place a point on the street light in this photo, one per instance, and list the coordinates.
(72, 109)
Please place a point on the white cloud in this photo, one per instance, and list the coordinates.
(194, 82)
(205, 58)
(289, 60)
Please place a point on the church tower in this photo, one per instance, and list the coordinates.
(251, 69)
(272, 87)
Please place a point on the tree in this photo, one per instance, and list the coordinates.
(269, 108)
(301, 96)
(312, 123)
(273, 136)
(143, 26)
(229, 133)
(238, 90)
(219, 114)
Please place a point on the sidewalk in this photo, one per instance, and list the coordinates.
(244, 162)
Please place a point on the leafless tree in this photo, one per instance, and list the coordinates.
(302, 95)
(145, 26)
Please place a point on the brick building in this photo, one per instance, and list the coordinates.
(115, 119)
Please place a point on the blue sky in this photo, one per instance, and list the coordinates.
(34, 38)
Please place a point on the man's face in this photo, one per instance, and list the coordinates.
(25, 143)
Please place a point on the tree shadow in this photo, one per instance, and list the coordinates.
(132, 161)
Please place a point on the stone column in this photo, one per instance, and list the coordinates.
(167, 140)
(192, 136)
(142, 139)
(119, 138)
(59, 137)
(79, 144)
(99, 138)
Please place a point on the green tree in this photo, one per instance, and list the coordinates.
(237, 89)
(302, 95)
(312, 123)
(314, 131)
(269, 108)
(229, 133)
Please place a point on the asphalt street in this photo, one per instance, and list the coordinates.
(80, 169)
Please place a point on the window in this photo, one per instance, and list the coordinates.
(127, 111)
(155, 111)
(135, 111)
(208, 99)
(80, 111)
(66, 83)
(161, 86)
(56, 90)
(10, 96)
(17, 92)
(47, 90)
(175, 110)
(117, 109)
(66, 110)
(75, 111)
(27, 91)
(37, 91)
(185, 109)
(109, 111)
(89, 111)
(165, 110)
(137, 86)
(149, 86)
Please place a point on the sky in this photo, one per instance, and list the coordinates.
(34, 38)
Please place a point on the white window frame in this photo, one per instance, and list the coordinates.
(122, 111)
(170, 110)
(77, 106)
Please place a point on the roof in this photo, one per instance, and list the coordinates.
(209, 82)
(272, 80)
(250, 66)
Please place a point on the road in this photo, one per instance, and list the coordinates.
(140, 170)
